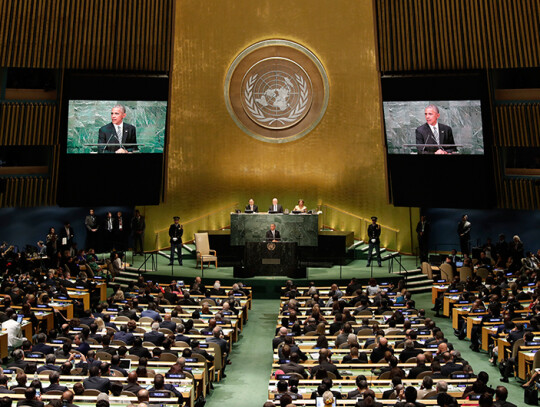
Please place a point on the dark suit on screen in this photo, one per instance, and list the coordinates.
(107, 135)
(424, 135)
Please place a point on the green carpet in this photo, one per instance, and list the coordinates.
(479, 361)
(247, 378)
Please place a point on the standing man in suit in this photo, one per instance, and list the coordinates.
(116, 133)
(422, 231)
(92, 229)
(434, 133)
(273, 235)
(108, 232)
(275, 207)
(176, 230)
(66, 236)
(138, 225)
(464, 232)
(119, 232)
(374, 232)
(251, 206)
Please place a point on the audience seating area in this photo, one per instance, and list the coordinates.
(352, 345)
(149, 344)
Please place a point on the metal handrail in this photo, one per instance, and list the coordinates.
(361, 231)
(230, 207)
(357, 217)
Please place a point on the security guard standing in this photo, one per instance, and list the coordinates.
(176, 230)
(374, 232)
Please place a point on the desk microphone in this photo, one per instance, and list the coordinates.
(108, 141)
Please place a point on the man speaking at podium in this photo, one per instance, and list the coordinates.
(114, 134)
(273, 235)
(435, 133)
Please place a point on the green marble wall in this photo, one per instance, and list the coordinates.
(85, 117)
(302, 229)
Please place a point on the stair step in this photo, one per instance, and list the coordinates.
(129, 280)
(129, 273)
(408, 272)
(420, 282)
(419, 289)
(366, 248)
(417, 277)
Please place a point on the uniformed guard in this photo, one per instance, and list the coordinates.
(374, 232)
(176, 230)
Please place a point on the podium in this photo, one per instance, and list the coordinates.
(101, 147)
(271, 259)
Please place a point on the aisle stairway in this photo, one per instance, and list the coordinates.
(416, 281)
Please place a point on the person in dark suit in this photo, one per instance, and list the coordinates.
(195, 347)
(168, 323)
(41, 346)
(501, 394)
(275, 207)
(422, 231)
(154, 335)
(132, 384)
(108, 232)
(251, 206)
(95, 381)
(449, 365)
(159, 384)
(50, 361)
(294, 366)
(176, 231)
(325, 363)
(139, 350)
(18, 360)
(374, 233)
(130, 313)
(138, 225)
(464, 232)
(54, 378)
(115, 365)
(434, 133)
(273, 235)
(92, 229)
(30, 398)
(66, 235)
(4, 385)
(112, 136)
(120, 232)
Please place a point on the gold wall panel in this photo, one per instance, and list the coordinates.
(518, 125)
(28, 124)
(211, 162)
(457, 34)
(87, 34)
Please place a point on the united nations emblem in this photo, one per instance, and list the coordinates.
(276, 91)
(271, 246)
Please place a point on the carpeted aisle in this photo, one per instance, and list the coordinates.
(246, 384)
(479, 361)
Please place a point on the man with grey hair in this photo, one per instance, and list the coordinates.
(50, 361)
(181, 329)
(434, 133)
(114, 136)
(154, 335)
(442, 387)
(352, 340)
